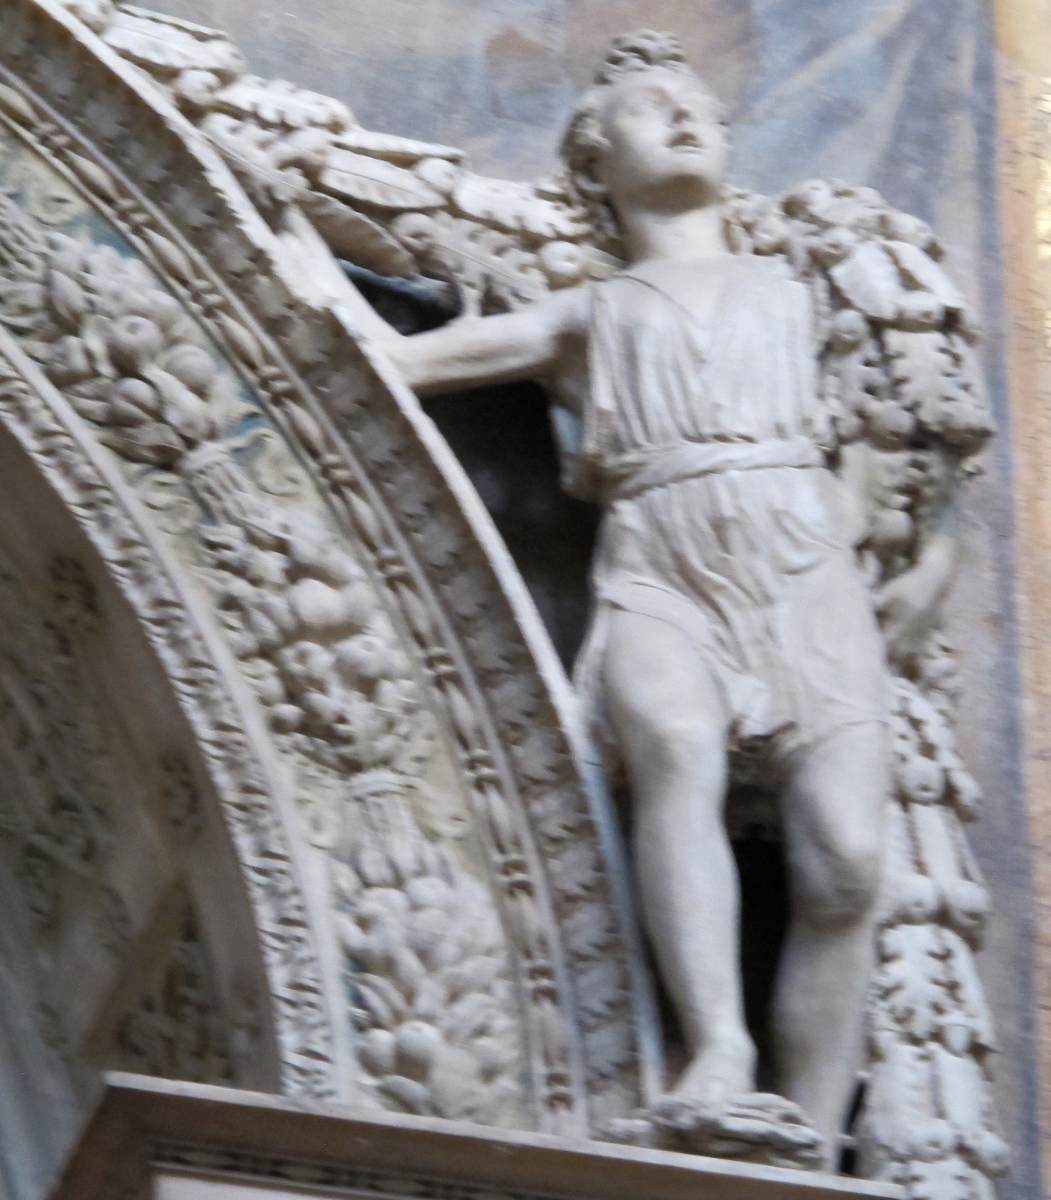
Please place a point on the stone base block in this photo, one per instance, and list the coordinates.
(177, 1141)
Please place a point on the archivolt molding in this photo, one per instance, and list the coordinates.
(109, 517)
(300, 488)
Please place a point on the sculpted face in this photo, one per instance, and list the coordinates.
(667, 140)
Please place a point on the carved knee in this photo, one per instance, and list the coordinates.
(680, 743)
(845, 888)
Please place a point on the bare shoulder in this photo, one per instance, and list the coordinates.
(567, 312)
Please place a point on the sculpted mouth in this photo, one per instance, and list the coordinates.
(685, 140)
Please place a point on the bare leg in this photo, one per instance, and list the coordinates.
(833, 816)
(670, 724)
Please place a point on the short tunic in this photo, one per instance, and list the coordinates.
(706, 441)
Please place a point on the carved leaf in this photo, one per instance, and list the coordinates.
(393, 147)
(913, 979)
(67, 298)
(283, 104)
(964, 1090)
(918, 366)
(869, 281)
(353, 236)
(600, 987)
(22, 304)
(609, 1047)
(516, 207)
(171, 256)
(245, 343)
(93, 176)
(15, 105)
(155, 444)
(151, 40)
(899, 1094)
(375, 182)
(969, 991)
(925, 273)
(946, 1179)
(936, 834)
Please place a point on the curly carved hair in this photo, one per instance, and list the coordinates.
(584, 143)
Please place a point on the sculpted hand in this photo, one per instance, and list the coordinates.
(908, 605)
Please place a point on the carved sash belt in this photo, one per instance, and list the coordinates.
(631, 474)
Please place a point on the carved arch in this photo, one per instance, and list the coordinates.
(326, 556)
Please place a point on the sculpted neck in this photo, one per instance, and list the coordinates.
(663, 234)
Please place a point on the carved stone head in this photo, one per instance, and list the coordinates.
(649, 132)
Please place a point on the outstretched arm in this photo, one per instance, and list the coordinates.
(472, 351)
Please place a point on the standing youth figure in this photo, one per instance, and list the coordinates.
(730, 614)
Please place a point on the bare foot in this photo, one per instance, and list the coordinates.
(713, 1110)
(751, 1127)
(725, 1068)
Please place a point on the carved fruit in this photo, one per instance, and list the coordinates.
(849, 328)
(67, 360)
(269, 688)
(68, 259)
(563, 263)
(918, 899)
(134, 342)
(364, 660)
(351, 938)
(454, 1084)
(966, 795)
(409, 972)
(991, 1151)
(377, 1051)
(920, 310)
(188, 415)
(417, 1043)
(126, 415)
(833, 245)
(286, 717)
(809, 198)
(931, 1140)
(318, 607)
(891, 423)
(409, 1093)
(138, 394)
(385, 902)
(904, 228)
(492, 1055)
(67, 299)
(191, 365)
(968, 904)
(440, 173)
(416, 231)
(770, 235)
(429, 891)
(922, 781)
(426, 932)
(891, 529)
(319, 706)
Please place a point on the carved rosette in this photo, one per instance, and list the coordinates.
(375, 701)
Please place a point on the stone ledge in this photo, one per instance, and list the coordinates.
(180, 1141)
